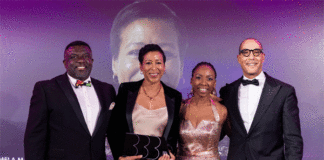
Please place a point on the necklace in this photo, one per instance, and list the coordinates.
(151, 98)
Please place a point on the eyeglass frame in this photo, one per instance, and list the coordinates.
(251, 50)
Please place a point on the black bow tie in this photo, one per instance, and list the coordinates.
(246, 82)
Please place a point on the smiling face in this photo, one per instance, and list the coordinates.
(78, 62)
(152, 67)
(251, 65)
(142, 32)
(203, 81)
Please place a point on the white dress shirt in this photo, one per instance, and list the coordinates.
(88, 101)
(248, 99)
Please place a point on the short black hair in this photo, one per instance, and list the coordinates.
(203, 64)
(149, 48)
(150, 10)
(77, 43)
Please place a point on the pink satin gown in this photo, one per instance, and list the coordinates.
(149, 122)
(200, 142)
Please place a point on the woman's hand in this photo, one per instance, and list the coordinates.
(167, 157)
(172, 156)
(130, 157)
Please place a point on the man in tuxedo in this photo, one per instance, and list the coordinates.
(69, 114)
(262, 110)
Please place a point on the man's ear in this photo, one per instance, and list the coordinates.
(238, 59)
(263, 58)
(64, 63)
(114, 66)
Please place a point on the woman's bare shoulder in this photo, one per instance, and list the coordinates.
(221, 109)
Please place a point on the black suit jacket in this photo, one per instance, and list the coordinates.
(275, 130)
(121, 119)
(56, 128)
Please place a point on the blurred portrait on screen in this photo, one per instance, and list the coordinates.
(143, 23)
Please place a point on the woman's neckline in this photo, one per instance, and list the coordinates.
(151, 109)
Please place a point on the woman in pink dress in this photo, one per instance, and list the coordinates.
(202, 117)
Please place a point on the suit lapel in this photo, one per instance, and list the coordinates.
(236, 114)
(131, 100)
(103, 110)
(269, 91)
(65, 85)
(170, 106)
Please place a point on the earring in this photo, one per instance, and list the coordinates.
(214, 92)
(191, 93)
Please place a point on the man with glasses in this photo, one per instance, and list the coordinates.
(262, 110)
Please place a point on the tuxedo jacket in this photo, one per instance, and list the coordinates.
(275, 130)
(56, 128)
(121, 119)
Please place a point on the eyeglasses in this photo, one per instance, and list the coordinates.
(246, 52)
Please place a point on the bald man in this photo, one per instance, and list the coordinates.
(263, 111)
